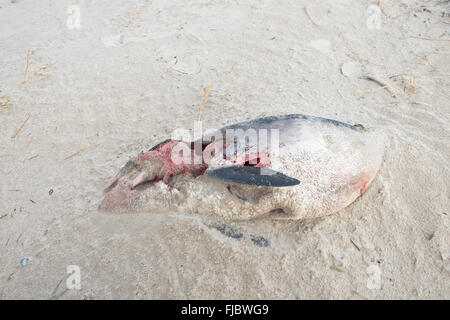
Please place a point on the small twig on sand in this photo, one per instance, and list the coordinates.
(309, 16)
(79, 149)
(27, 63)
(382, 83)
(206, 91)
(430, 39)
(355, 245)
(369, 90)
(5, 104)
(21, 127)
(36, 73)
(421, 103)
(438, 52)
(56, 296)
(357, 293)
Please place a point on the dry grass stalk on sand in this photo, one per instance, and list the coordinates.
(21, 127)
(80, 148)
(309, 17)
(5, 104)
(27, 64)
(206, 91)
(36, 73)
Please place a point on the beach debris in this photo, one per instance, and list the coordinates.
(206, 91)
(260, 241)
(36, 73)
(2, 215)
(382, 82)
(305, 9)
(39, 72)
(80, 148)
(5, 103)
(27, 64)
(429, 39)
(50, 192)
(229, 232)
(336, 268)
(55, 294)
(355, 245)
(236, 234)
(406, 82)
(24, 262)
(21, 127)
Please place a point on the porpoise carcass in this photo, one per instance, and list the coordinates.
(290, 166)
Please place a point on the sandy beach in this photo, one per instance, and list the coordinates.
(85, 85)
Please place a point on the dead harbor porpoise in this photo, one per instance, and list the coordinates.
(289, 166)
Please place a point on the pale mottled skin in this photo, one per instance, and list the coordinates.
(333, 161)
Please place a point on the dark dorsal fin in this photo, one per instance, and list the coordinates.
(255, 176)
